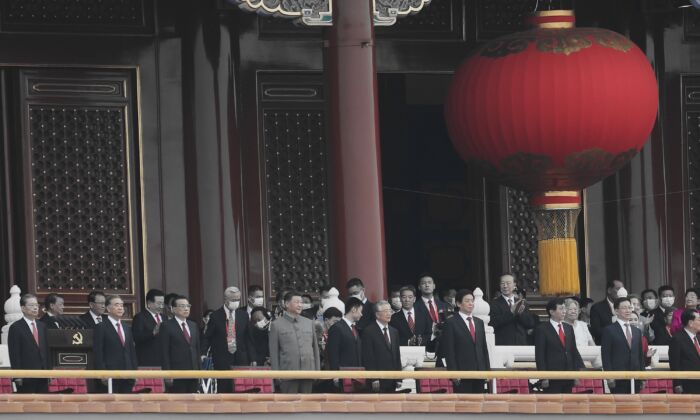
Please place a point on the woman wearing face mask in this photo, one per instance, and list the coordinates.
(651, 309)
(644, 322)
(691, 302)
(258, 344)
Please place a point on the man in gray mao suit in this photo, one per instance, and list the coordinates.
(293, 345)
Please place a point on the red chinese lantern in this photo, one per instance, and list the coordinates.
(553, 110)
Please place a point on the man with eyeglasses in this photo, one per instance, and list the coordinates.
(93, 316)
(180, 345)
(27, 346)
(146, 325)
(113, 345)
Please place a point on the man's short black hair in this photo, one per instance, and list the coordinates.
(552, 305)
(289, 295)
(353, 282)
(254, 288)
(332, 312)
(91, 297)
(153, 294)
(692, 290)
(461, 293)
(619, 300)
(687, 316)
(173, 302)
(611, 284)
(645, 291)
(352, 303)
(409, 288)
(666, 287)
(50, 299)
(324, 288)
(25, 297)
(262, 309)
(110, 298)
(306, 295)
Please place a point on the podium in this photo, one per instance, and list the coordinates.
(70, 349)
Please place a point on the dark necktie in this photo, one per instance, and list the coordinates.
(354, 330)
(119, 333)
(472, 331)
(411, 323)
(562, 337)
(386, 336)
(185, 333)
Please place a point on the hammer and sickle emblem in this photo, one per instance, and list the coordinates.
(77, 339)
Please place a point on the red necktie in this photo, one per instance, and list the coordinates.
(628, 335)
(472, 331)
(354, 330)
(119, 333)
(411, 324)
(386, 337)
(562, 337)
(158, 319)
(185, 333)
(35, 333)
(433, 314)
(697, 346)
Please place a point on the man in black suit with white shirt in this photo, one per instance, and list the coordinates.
(602, 312)
(409, 322)
(380, 347)
(93, 316)
(344, 347)
(621, 347)
(463, 343)
(684, 352)
(27, 346)
(146, 327)
(180, 345)
(555, 348)
(113, 345)
(356, 289)
(510, 317)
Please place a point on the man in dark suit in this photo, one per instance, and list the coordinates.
(226, 334)
(430, 306)
(344, 348)
(93, 316)
(555, 348)
(53, 308)
(27, 346)
(414, 327)
(684, 352)
(180, 345)
(356, 289)
(621, 347)
(113, 345)
(510, 316)
(146, 326)
(602, 312)
(463, 342)
(380, 347)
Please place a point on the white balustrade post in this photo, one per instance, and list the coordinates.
(13, 312)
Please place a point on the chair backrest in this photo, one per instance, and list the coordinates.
(433, 386)
(589, 386)
(5, 386)
(658, 386)
(351, 385)
(77, 385)
(151, 385)
(259, 385)
(512, 386)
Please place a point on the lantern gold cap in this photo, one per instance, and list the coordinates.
(554, 19)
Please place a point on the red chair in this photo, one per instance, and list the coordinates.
(512, 386)
(5, 386)
(257, 385)
(589, 386)
(658, 386)
(149, 385)
(352, 385)
(434, 386)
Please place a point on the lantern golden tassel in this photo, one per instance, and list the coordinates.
(555, 215)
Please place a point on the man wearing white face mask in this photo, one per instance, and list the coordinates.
(226, 334)
(256, 298)
(356, 289)
(602, 313)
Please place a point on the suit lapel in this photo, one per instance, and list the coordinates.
(689, 343)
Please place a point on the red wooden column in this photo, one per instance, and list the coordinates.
(357, 221)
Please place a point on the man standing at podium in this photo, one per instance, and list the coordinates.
(113, 345)
(28, 347)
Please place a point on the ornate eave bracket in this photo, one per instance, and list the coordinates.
(320, 12)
